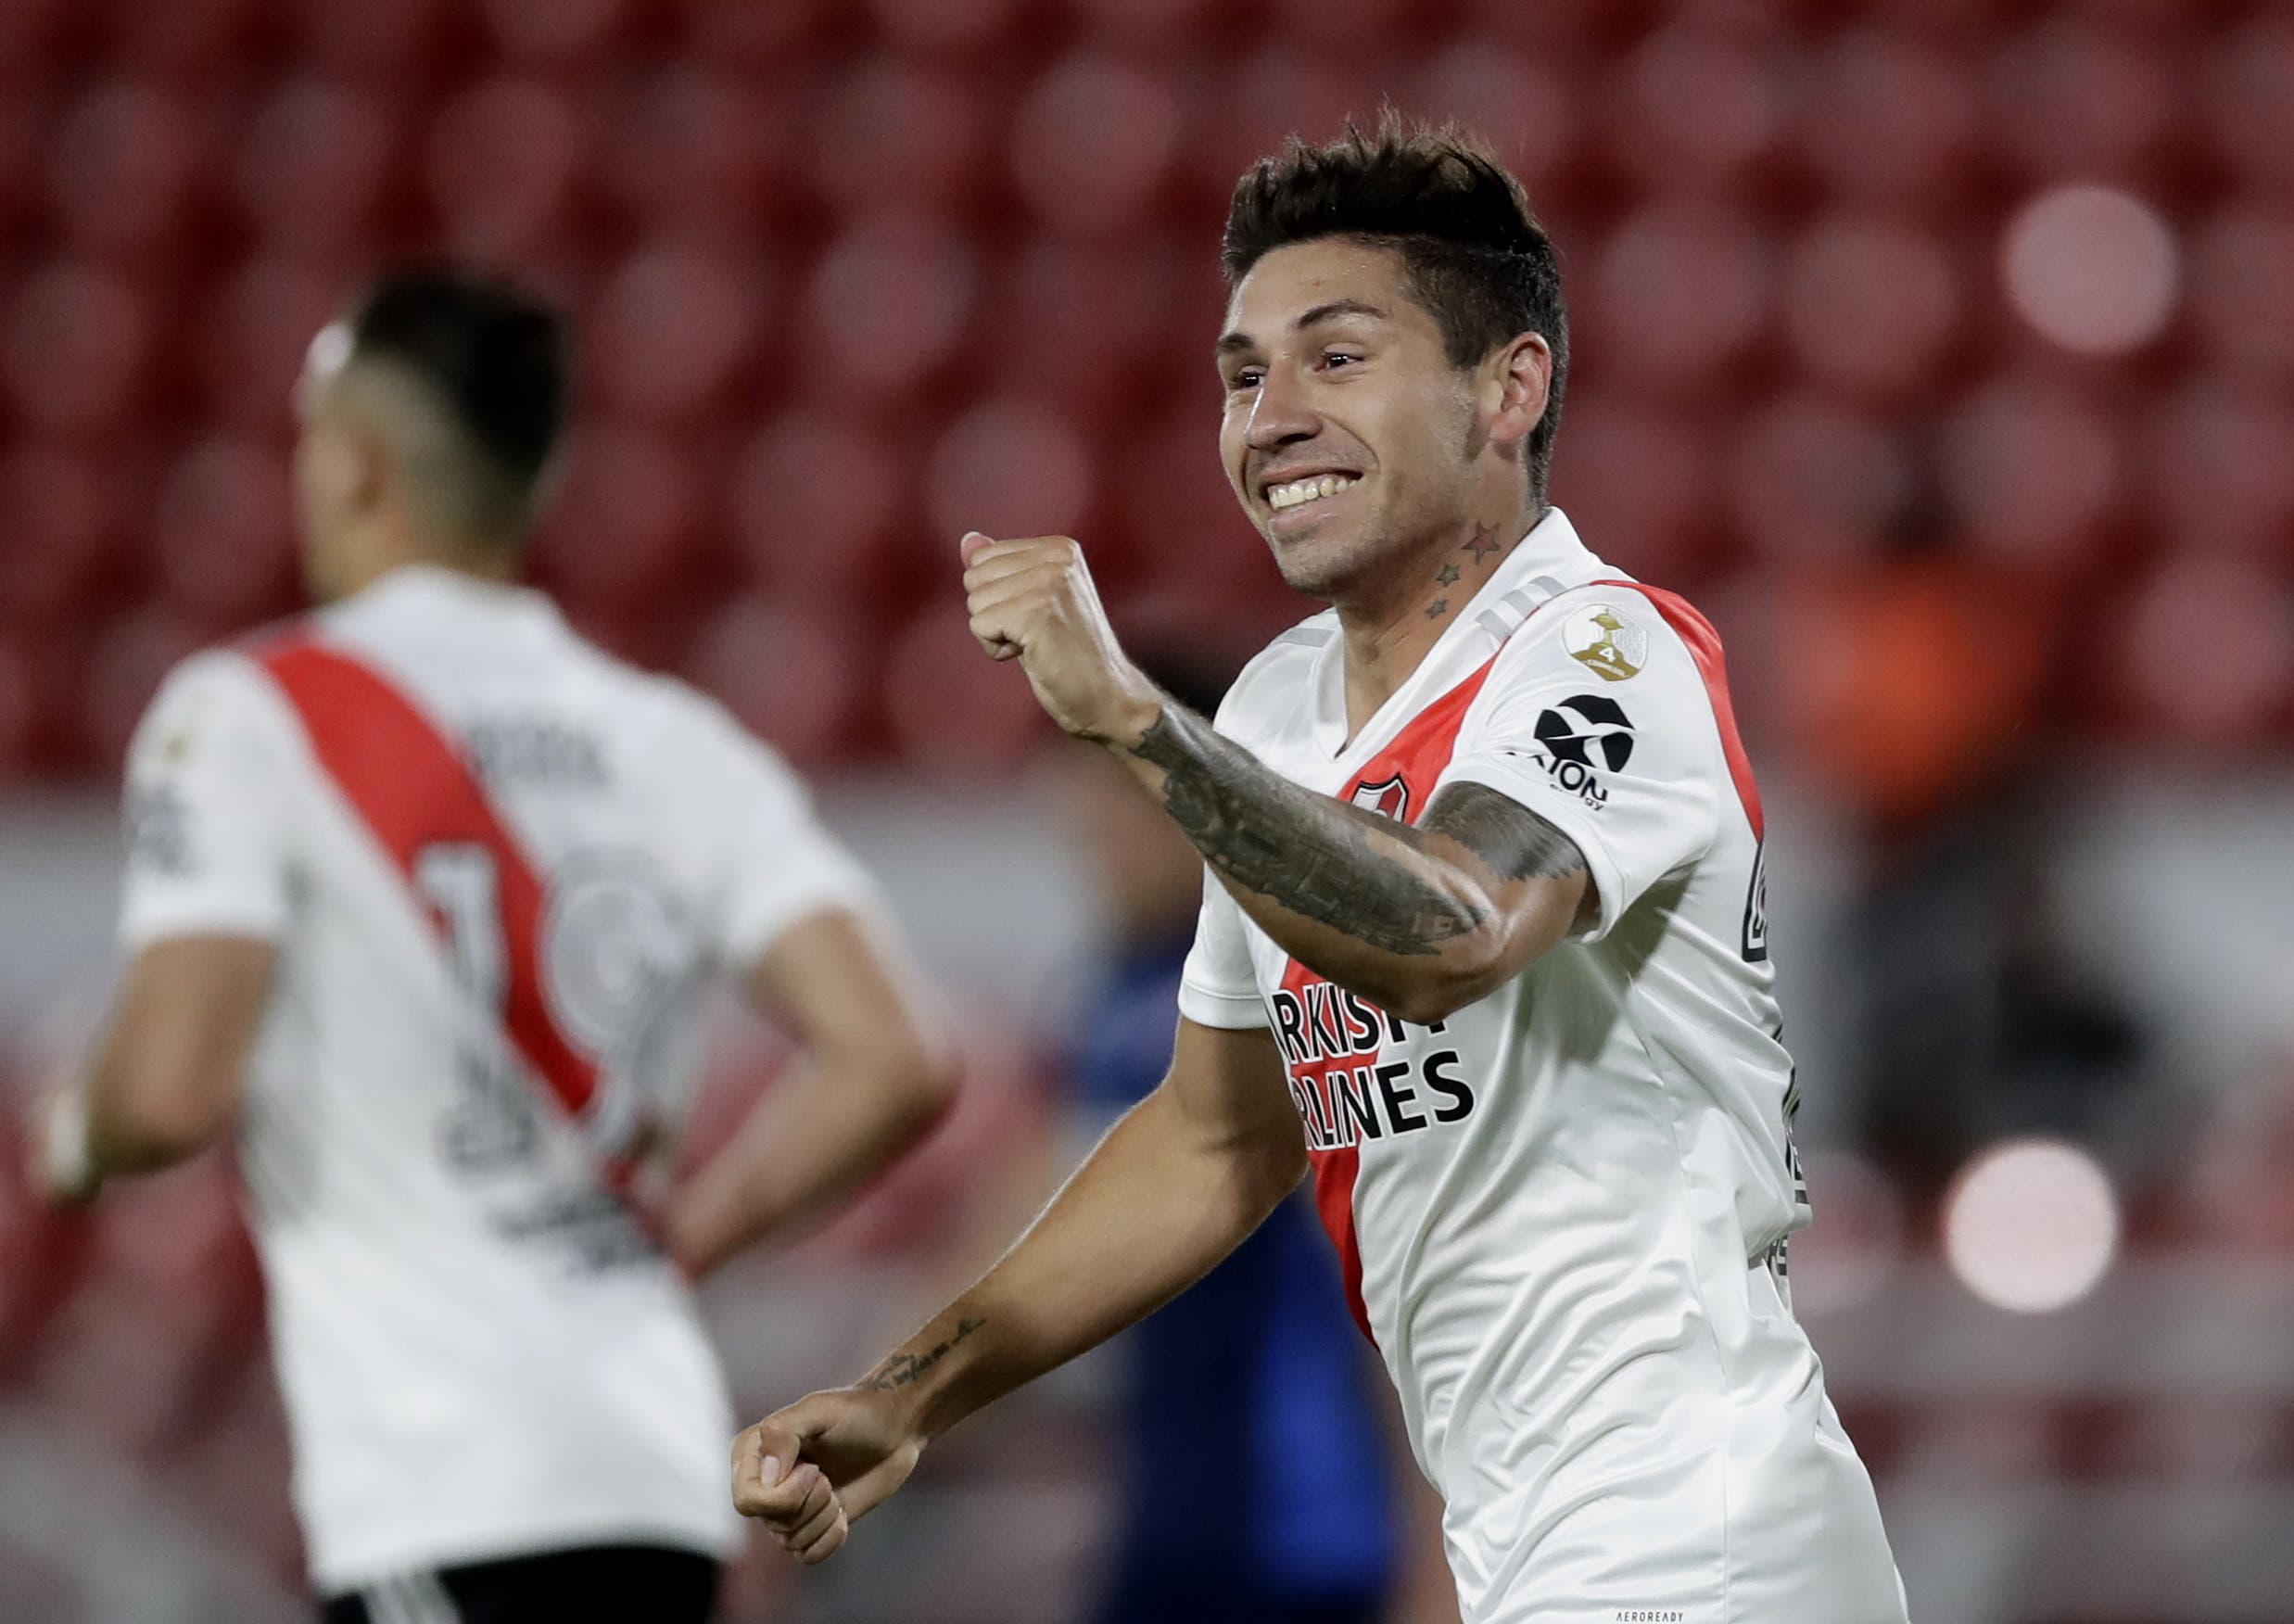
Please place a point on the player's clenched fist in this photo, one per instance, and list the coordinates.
(810, 1471)
(1032, 600)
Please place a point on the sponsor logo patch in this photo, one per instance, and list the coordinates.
(1581, 738)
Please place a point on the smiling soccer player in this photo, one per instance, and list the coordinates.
(1483, 949)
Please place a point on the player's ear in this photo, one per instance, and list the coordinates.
(1515, 379)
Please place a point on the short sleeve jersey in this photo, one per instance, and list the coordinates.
(1560, 1212)
(482, 1354)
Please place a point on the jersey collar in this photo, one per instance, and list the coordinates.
(1551, 559)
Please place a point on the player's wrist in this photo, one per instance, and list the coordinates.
(1130, 714)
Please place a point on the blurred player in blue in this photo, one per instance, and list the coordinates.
(1255, 1486)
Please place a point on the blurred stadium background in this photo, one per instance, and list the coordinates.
(1941, 349)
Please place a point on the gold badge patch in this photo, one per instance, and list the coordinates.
(1600, 637)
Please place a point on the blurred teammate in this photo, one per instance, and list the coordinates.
(1486, 951)
(1251, 1378)
(442, 882)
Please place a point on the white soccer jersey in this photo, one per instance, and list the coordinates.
(480, 1352)
(1560, 1212)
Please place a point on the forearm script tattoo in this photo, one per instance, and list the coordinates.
(901, 1369)
(1332, 863)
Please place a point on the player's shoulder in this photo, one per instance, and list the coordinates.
(1273, 683)
(219, 692)
(1623, 634)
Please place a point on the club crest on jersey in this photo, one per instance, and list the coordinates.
(1389, 799)
(1602, 638)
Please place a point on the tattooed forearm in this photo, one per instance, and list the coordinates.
(901, 1369)
(1514, 842)
(1318, 857)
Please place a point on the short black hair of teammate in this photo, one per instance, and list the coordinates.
(1473, 255)
(493, 355)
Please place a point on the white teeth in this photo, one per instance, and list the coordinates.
(1304, 491)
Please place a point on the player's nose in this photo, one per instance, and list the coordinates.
(1280, 414)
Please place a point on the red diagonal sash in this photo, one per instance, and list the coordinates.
(413, 789)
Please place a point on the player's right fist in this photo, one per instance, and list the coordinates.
(810, 1471)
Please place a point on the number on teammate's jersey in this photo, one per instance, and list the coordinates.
(491, 1124)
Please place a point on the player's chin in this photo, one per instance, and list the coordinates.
(1316, 563)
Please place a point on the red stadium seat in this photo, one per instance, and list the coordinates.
(1009, 467)
(249, 345)
(131, 653)
(1678, 291)
(1810, 479)
(700, 150)
(1148, 21)
(222, 532)
(24, 117)
(1084, 322)
(813, 502)
(1697, 105)
(2247, 98)
(1093, 144)
(673, 324)
(193, 39)
(1354, 23)
(1889, 115)
(502, 165)
(28, 33)
(2219, 466)
(63, 521)
(2028, 466)
(943, 25)
(1869, 303)
(2230, 618)
(2069, 99)
(557, 33)
(620, 526)
(1527, 108)
(314, 162)
(1639, 485)
(78, 348)
(2242, 288)
(885, 307)
(373, 36)
(1187, 530)
(124, 168)
(20, 719)
(794, 675)
(742, 30)
(892, 134)
(1250, 108)
(950, 708)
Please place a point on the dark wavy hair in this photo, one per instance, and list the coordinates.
(1473, 253)
(494, 355)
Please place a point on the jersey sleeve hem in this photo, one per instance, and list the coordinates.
(1494, 771)
(146, 923)
(845, 888)
(1228, 1011)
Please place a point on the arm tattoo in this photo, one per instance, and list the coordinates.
(1327, 861)
(1514, 842)
(901, 1369)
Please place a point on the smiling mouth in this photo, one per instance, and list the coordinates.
(1298, 492)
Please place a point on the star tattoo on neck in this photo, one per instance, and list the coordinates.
(1437, 608)
(1449, 575)
(1484, 543)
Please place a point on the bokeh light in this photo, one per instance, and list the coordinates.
(2092, 268)
(2031, 1226)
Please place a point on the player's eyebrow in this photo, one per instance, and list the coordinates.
(1329, 311)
